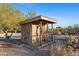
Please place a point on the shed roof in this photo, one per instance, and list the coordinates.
(44, 18)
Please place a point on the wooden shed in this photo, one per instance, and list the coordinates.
(34, 31)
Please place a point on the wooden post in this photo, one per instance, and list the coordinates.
(52, 32)
(37, 34)
(41, 33)
(44, 33)
(47, 32)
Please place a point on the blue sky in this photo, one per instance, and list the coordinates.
(65, 14)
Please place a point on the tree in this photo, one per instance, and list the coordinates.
(19, 18)
(9, 19)
(59, 29)
(31, 14)
(76, 29)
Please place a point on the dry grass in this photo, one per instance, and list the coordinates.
(63, 50)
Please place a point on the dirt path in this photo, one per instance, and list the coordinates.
(14, 50)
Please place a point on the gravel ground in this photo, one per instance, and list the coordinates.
(7, 48)
(14, 50)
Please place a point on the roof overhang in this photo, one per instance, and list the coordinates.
(44, 18)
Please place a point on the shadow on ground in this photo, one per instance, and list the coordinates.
(13, 47)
